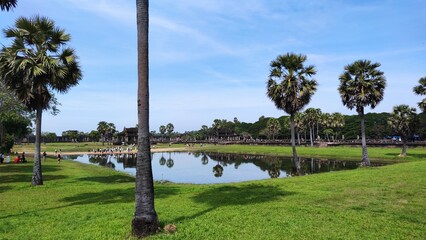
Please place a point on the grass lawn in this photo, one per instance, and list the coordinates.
(79, 201)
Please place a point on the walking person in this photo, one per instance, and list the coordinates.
(59, 157)
(44, 156)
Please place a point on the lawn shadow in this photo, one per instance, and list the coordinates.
(111, 196)
(4, 188)
(236, 196)
(109, 179)
(23, 172)
(27, 168)
(414, 155)
(20, 178)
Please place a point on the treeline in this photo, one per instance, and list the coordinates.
(376, 128)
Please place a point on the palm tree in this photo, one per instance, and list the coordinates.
(294, 88)
(403, 121)
(421, 90)
(337, 122)
(8, 4)
(312, 117)
(145, 221)
(273, 127)
(36, 64)
(170, 128)
(299, 123)
(162, 130)
(362, 84)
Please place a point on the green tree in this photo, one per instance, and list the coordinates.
(37, 63)
(312, 117)
(8, 4)
(362, 84)
(162, 130)
(273, 127)
(421, 90)
(145, 221)
(291, 86)
(106, 130)
(403, 120)
(14, 118)
(94, 135)
(170, 128)
(337, 122)
(299, 124)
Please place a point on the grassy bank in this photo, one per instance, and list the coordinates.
(340, 152)
(80, 201)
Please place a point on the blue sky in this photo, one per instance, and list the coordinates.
(210, 58)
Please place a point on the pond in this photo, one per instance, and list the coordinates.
(204, 168)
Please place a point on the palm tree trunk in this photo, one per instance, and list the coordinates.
(365, 160)
(310, 135)
(145, 221)
(37, 178)
(296, 160)
(404, 147)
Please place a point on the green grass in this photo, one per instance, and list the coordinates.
(390, 154)
(79, 201)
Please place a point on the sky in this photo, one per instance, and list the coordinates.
(209, 59)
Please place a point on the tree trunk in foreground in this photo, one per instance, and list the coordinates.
(145, 221)
(37, 178)
(296, 161)
(404, 147)
(365, 160)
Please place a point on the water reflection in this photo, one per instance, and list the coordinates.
(218, 167)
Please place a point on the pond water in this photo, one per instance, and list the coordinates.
(203, 168)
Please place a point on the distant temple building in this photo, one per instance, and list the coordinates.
(130, 135)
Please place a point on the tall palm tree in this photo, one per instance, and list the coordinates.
(337, 122)
(37, 63)
(299, 124)
(8, 4)
(170, 128)
(312, 117)
(273, 127)
(291, 86)
(362, 84)
(403, 121)
(421, 90)
(145, 221)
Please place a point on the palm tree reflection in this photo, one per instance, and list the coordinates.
(218, 170)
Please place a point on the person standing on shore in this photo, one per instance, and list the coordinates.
(44, 156)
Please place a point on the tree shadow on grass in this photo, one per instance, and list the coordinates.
(20, 178)
(236, 196)
(414, 155)
(111, 196)
(109, 179)
(26, 168)
(23, 172)
(4, 188)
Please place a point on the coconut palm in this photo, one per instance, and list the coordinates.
(291, 86)
(402, 121)
(8, 4)
(37, 63)
(421, 90)
(362, 84)
(145, 221)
